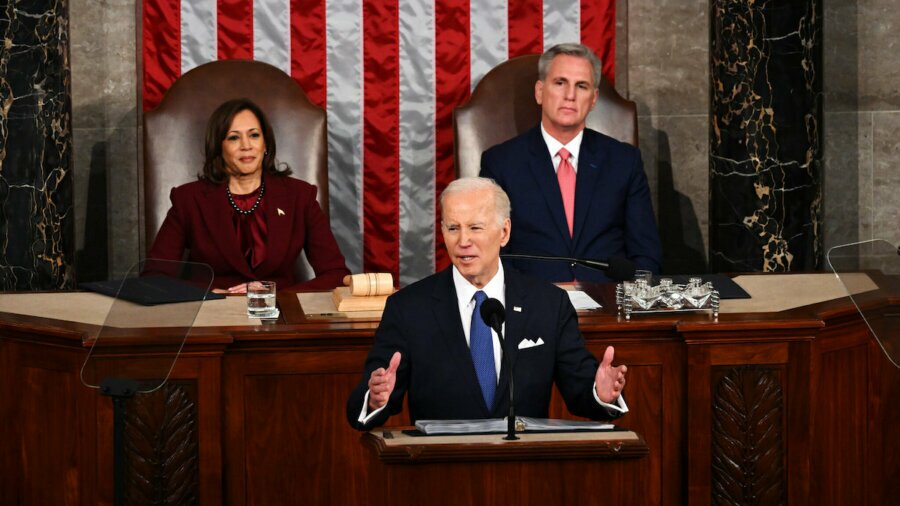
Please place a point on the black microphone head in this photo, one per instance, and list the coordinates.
(620, 269)
(493, 314)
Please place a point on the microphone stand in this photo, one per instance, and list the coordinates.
(593, 264)
(617, 269)
(511, 419)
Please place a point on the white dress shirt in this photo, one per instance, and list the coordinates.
(465, 298)
(573, 147)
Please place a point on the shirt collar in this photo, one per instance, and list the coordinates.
(573, 147)
(494, 289)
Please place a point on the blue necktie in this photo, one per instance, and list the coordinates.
(481, 344)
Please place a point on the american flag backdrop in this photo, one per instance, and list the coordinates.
(389, 74)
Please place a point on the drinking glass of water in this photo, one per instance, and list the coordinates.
(261, 299)
(647, 276)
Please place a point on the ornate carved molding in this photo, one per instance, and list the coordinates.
(161, 450)
(747, 439)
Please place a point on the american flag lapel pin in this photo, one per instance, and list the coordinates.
(517, 309)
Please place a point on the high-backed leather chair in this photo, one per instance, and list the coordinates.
(174, 132)
(502, 106)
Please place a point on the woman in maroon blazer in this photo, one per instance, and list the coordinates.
(245, 217)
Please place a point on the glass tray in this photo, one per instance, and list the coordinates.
(640, 297)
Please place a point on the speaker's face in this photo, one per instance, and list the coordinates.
(244, 146)
(566, 96)
(473, 234)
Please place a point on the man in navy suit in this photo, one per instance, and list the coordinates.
(574, 192)
(432, 345)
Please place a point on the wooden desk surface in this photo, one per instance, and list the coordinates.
(396, 446)
(775, 297)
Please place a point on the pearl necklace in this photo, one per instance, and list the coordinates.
(248, 212)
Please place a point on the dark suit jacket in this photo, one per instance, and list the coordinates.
(201, 221)
(613, 213)
(436, 369)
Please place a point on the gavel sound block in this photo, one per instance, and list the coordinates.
(365, 292)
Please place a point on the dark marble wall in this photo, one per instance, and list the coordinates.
(36, 222)
(765, 135)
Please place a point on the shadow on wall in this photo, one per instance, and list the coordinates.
(679, 228)
(110, 234)
(92, 261)
(847, 178)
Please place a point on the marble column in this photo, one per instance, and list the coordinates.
(765, 164)
(36, 223)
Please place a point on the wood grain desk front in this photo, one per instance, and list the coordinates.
(795, 406)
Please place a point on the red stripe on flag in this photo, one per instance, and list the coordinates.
(235, 30)
(381, 136)
(525, 27)
(598, 32)
(162, 48)
(308, 52)
(452, 82)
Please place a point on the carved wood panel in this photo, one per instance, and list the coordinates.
(161, 449)
(747, 437)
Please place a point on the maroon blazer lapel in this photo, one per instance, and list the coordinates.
(218, 215)
(280, 212)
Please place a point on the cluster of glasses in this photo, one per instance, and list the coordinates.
(641, 296)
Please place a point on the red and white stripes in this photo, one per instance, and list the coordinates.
(389, 73)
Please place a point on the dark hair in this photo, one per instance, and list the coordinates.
(217, 129)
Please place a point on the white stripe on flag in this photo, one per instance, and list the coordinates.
(198, 33)
(272, 33)
(344, 96)
(562, 22)
(489, 41)
(417, 139)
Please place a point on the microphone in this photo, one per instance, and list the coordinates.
(493, 314)
(617, 268)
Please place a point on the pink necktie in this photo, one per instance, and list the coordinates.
(565, 174)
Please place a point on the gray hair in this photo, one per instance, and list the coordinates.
(472, 184)
(570, 49)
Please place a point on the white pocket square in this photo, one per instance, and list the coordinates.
(528, 343)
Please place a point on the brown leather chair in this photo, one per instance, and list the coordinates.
(174, 132)
(503, 106)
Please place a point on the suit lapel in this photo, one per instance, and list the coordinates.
(589, 169)
(279, 225)
(541, 168)
(218, 215)
(446, 313)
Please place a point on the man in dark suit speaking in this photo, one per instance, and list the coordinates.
(432, 344)
(575, 192)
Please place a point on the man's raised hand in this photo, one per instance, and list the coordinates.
(381, 383)
(610, 380)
